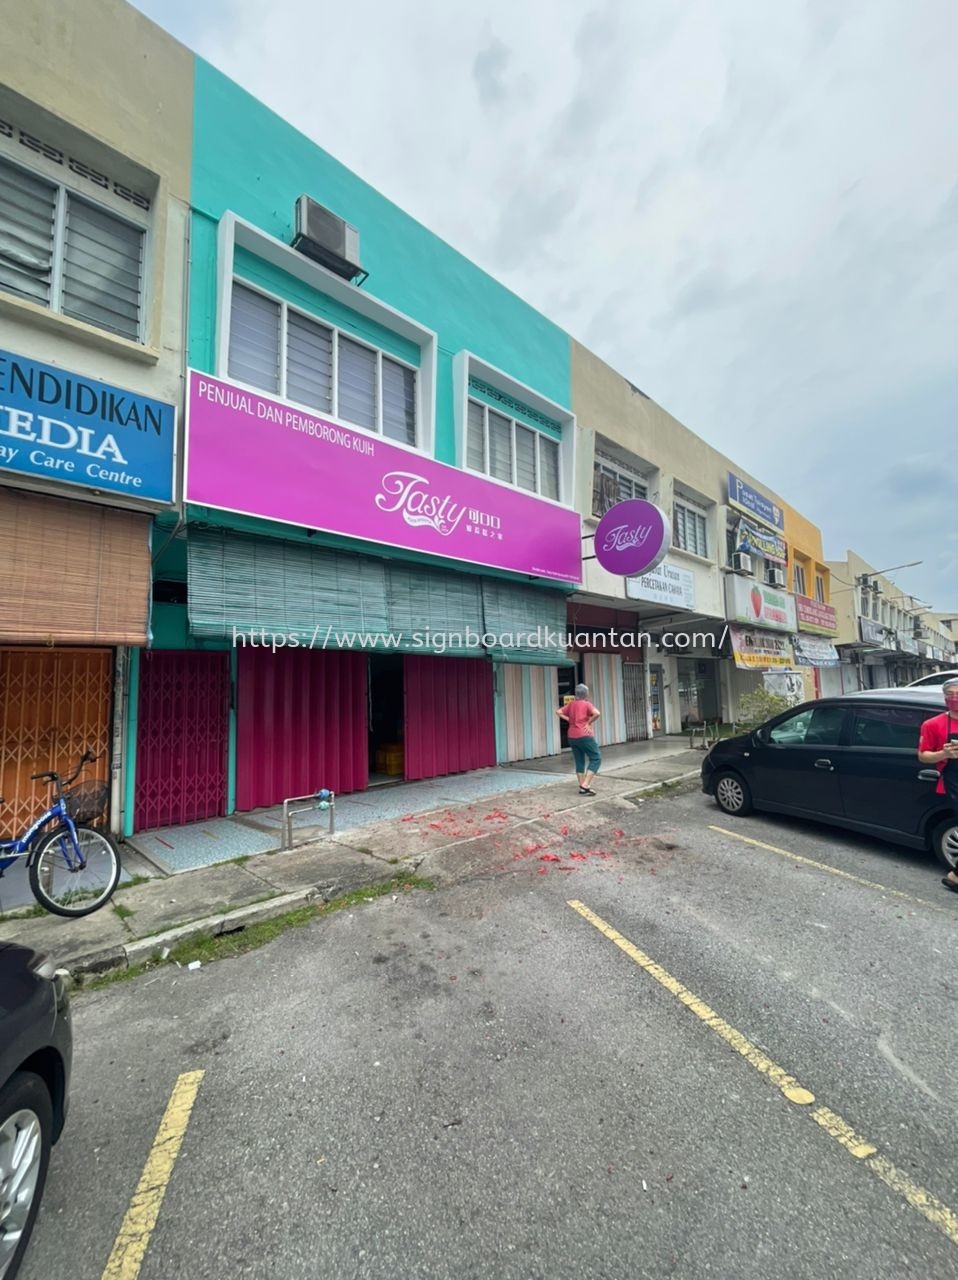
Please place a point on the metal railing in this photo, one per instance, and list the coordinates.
(322, 801)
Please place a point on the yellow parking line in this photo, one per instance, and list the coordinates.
(137, 1227)
(937, 1213)
(820, 866)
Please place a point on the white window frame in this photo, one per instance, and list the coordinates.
(467, 365)
(620, 472)
(690, 508)
(235, 232)
(798, 579)
(337, 333)
(513, 454)
(820, 588)
(55, 304)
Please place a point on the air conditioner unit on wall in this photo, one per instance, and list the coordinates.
(327, 239)
(741, 563)
(775, 577)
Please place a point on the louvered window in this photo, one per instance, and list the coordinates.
(612, 484)
(254, 340)
(399, 401)
(508, 450)
(275, 348)
(62, 252)
(309, 362)
(689, 530)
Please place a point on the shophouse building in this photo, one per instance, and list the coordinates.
(886, 637)
(94, 206)
(367, 578)
(719, 617)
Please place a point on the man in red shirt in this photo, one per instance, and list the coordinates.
(938, 745)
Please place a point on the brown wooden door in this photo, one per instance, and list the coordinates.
(54, 703)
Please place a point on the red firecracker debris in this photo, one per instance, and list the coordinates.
(550, 857)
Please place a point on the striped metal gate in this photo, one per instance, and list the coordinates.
(54, 703)
(633, 686)
(182, 753)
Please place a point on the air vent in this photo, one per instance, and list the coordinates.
(741, 563)
(327, 239)
(775, 577)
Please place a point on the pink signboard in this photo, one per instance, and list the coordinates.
(632, 537)
(258, 456)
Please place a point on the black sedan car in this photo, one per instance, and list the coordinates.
(36, 1056)
(850, 761)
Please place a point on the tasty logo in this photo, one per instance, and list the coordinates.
(408, 494)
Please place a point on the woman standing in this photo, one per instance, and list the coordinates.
(581, 715)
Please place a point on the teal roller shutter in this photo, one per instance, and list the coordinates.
(529, 624)
(435, 611)
(303, 593)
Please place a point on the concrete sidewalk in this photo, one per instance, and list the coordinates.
(145, 918)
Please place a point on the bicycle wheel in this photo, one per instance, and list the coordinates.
(63, 886)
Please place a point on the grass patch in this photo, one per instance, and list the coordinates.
(223, 946)
(123, 912)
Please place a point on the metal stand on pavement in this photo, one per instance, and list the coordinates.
(323, 800)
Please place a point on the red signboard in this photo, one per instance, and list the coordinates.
(815, 616)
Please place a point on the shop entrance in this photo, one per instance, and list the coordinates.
(386, 718)
(569, 677)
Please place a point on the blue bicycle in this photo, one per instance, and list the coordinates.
(74, 868)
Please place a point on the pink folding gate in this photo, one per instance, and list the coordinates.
(182, 741)
(449, 714)
(301, 724)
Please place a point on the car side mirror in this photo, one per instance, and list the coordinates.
(929, 775)
(759, 737)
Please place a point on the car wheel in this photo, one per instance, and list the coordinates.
(732, 794)
(26, 1125)
(944, 843)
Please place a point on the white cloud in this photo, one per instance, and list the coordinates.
(750, 211)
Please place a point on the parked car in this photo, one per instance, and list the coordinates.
(36, 1057)
(848, 761)
(932, 681)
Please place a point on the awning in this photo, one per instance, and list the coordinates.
(73, 572)
(756, 649)
(814, 651)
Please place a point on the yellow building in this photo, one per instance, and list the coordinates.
(810, 580)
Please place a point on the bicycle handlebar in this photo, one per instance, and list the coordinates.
(87, 758)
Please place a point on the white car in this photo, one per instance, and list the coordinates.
(938, 678)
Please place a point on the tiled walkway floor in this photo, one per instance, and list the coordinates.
(220, 839)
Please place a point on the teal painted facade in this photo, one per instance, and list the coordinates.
(247, 160)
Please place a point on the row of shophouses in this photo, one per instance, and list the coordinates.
(243, 396)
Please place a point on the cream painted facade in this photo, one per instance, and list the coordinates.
(130, 126)
(885, 635)
(621, 426)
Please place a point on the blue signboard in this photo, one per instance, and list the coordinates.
(745, 498)
(62, 426)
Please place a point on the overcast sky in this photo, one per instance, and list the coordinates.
(750, 210)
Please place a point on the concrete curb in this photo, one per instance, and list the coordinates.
(139, 950)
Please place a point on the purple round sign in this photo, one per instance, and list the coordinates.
(632, 538)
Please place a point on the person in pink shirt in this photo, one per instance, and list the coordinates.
(581, 715)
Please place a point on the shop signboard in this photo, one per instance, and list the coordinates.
(754, 540)
(755, 649)
(814, 651)
(744, 498)
(632, 538)
(815, 616)
(66, 428)
(758, 605)
(668, 584)
(256, 455)
(873, 633)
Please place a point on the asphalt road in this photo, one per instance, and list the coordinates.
(480, 1082)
